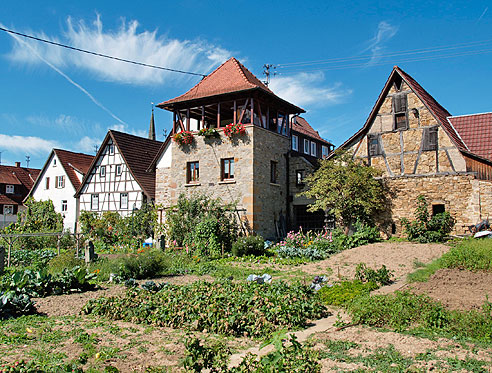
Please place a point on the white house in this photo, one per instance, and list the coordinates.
(118, 179)
(58, 181)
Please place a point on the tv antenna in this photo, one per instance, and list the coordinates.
(28, 159)
(267, 72)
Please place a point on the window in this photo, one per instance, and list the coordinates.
(8, 209)
(306, 146)
(111, 149)
(300, 177)
(60, 182)
(94, 201)
(123, 200)
(102, 171)
(64, 206)
(118, 170)
(313, 149)
(47, 183)
(324, 151)
(54, 162)
(273, 172)
(9, 189)
(192, 172)
(295, 143)
(227, 169)
(400, 110)
(438, 209)
(373, 145)
(430, 139)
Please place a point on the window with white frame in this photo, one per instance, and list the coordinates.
(111, 149)
(8, 209)
(118, 170)
(64, 206)
(295, 143)
(9, 189)
(124, 201)
(306, 146)
(102, 171)
(60, 182)
(324, 151)
(94, 201)
(54, 162)
(313, 149)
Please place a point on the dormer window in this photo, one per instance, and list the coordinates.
(9, 189)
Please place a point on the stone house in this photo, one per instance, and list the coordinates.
(117, 179)
(256, 169)
(15, 184)
(422, 149)
(58, 181)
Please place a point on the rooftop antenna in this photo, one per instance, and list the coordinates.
(28, 159)
(164, 131)
(1, 156)
(267, 72)
(95, 149)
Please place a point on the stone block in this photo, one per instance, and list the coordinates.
(412, 140)
(427, 163)
(391, 142)
(394, 164)
(387, 106)
(387, 122)
(444, 164)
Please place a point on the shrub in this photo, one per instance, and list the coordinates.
(147, 264)
(64, 260)
(381, 277)
(249, 245)
(342, 293)
(425, 228)
(223, 307)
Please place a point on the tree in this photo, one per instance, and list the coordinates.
(347, 188)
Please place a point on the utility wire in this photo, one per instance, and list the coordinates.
(399, 53)
(100, 54)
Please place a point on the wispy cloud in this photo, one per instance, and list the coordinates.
(128, 43)
(482, 15)
(86, 144)
(308, 89)
(64, 122)
(384, 33)
(27, 144)
(126, 129)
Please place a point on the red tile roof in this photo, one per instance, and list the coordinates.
(4, 200)
(72, 162)
(18, 176)
(299, 124)
(9, 178)
(475, 131)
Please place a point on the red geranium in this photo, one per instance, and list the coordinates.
(234, 129)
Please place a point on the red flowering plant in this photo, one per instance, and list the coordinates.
(234, 129)
(183, 138)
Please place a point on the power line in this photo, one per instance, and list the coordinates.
(100, 54)
(398, 53)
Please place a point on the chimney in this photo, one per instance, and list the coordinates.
(17, 164)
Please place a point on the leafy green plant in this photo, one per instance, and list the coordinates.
(65, 260)
(224, 307)
(426, 228)
(381, 276)
(36, 258)
(13, 304)
(249, 245)
(209, 133)
(213, 356)
(344, 292)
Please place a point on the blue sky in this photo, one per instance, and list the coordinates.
(52, 97)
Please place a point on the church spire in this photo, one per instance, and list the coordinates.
(152, 125)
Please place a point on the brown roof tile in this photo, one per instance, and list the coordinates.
(299, 124)
(74, 161)
(22, 176)
(475, 131)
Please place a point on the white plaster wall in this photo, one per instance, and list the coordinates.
(166, 157)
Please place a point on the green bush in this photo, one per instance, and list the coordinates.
(223, 307)
(64, 260)
(148, 264)
(249, 245)
(31, 258)
(381, 277)
(425, 228)
(342, 293)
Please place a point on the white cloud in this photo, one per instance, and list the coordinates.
(307, 89)
(127, 43)
(26, 144)
(64, 122)
(384, 33)
(124, 128)
(87, 145)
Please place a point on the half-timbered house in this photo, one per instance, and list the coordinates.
(118, 178)
(252, 168)
(59, 180)
(423, 150)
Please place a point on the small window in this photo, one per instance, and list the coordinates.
(47, 183)
(430, 139)
(102, 171)
(8, 209)
(64, 206)
(325, 151)
(54, 162)
(313, 149)
(438, 209)
(273, 172)
(193, 172)
(60, 182)
(9, 189)
(300, 177)
(111, 149)
(118, 170)
(373, 144)
(227, 169)
(400, 110)
(124, 201)
(306, 146)
(94, 201)
(295, 143)
(401, 122)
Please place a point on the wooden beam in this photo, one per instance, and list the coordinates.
(174, 122)
(180, 121)
(188, 119)
(243, 110)
(235, 114)
(203, 116)
(259, 113)
(218, 115)
(252, 111)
